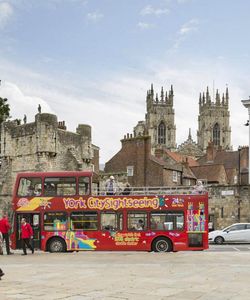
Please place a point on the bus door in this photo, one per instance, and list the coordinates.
(34, 220)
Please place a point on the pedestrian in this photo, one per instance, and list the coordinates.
(4, 229)
(1, 273)
(1, 243)
(111, 186)
(26, 235)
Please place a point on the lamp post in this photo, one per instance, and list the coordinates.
(246, 103)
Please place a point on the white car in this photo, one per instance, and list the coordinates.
(236, 233)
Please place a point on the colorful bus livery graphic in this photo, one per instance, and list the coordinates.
(66, 216)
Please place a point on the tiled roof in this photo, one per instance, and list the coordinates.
(230, 159)
(182, 158)
(212, 173)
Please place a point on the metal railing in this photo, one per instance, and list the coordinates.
(161, 190)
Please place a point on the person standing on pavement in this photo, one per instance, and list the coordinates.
(4, 229)
(1, 243)
(26, 235)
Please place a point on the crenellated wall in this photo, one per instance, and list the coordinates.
(43, 145)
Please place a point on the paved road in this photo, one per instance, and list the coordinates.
(202, 275)
(229, 248)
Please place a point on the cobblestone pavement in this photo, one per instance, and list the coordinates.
(126, 275)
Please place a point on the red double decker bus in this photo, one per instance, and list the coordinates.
(66, 215)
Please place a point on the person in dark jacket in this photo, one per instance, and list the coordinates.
(26, 235)
(1, 273)
(127, 189)
(4, 229)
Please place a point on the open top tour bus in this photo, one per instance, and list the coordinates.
(66, 216)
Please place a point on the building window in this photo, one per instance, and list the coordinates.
(130, 171)
(175, 177)
(162, 133)
(216, 134)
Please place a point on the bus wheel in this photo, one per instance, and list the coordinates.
(56, 245)
(162, 244)
(219, 240)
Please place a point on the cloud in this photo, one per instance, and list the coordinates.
(184, 31)
(144, 26)
(6, 11)
(94, 17)
(101, 103)
(150, 10)
(26, 104)
(188, 27)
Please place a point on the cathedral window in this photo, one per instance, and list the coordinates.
(216, 134)
(162, 133)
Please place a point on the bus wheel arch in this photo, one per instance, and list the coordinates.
(162, 244)
(56, 244)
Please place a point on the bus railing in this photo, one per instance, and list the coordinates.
(178, 190)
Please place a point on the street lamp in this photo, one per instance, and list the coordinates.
(246, 103)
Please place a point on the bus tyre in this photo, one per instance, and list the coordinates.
(162, 244)
(219, 240)
(57, 245)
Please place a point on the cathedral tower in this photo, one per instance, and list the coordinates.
(159, 121)
(213, 121)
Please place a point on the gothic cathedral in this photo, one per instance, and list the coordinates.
(159, 120)
(213, 121)
(159, 124)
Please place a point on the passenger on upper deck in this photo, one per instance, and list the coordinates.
(49, 189)
(199, 188)
(127, 189)
(31, 190)
(111, 186)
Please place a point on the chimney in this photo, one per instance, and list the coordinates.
(211, 152)
(159, 153)
(61, 125)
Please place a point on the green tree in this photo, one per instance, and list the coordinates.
(4, 109)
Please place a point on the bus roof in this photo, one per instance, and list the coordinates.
(55, 174)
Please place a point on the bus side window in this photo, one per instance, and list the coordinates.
(84, 185)
(111, 221)
(29, 187)
(137, 221)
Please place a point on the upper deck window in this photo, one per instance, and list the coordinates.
(60, 186)
(84, 184)
(30, 186)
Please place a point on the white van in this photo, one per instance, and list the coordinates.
(236, 233)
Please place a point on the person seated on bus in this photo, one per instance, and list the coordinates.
(140, 225)
(127, 189)
(49, 189)
(37, 191)
(30, 190)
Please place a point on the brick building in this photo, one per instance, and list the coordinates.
(144, 169)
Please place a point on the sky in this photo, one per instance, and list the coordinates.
(92, 61)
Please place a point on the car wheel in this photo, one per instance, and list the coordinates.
(219, 240)
(162, 244)
(57, 245)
